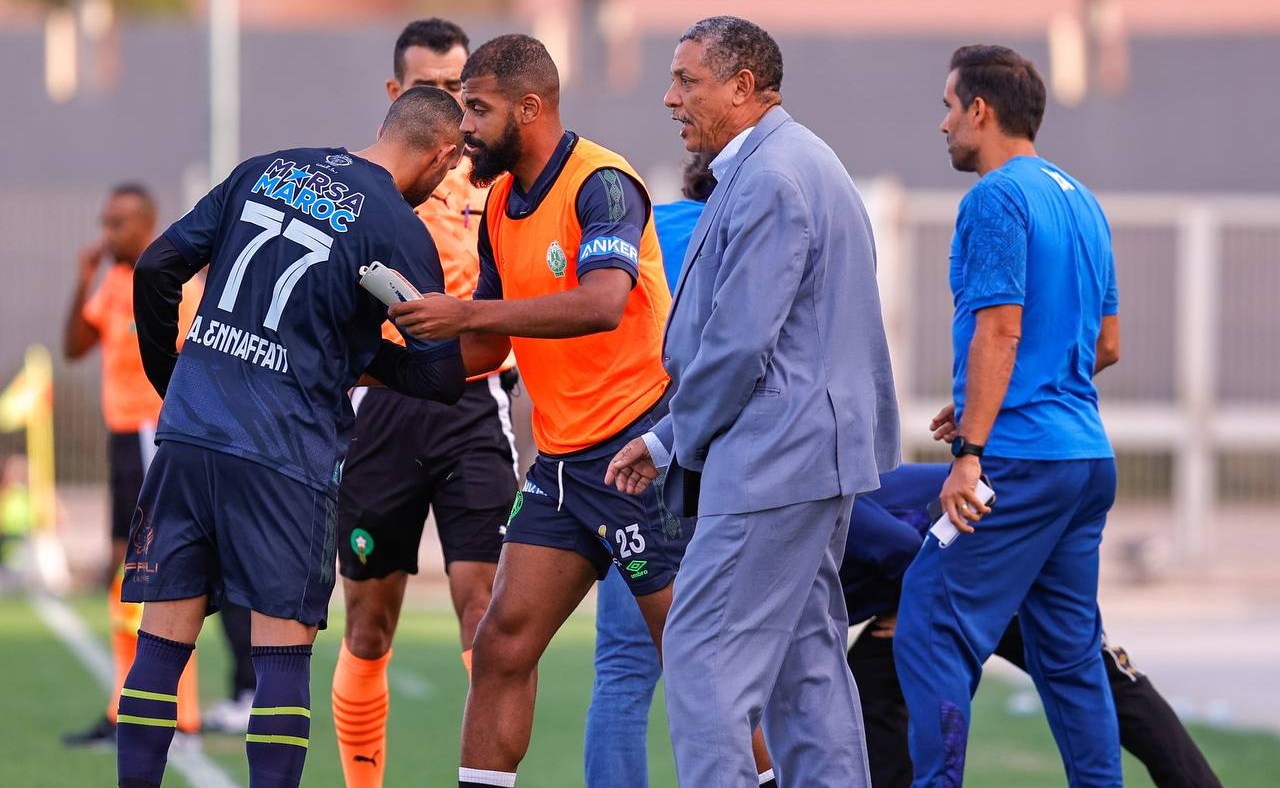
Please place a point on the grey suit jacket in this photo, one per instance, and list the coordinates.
(775, 342)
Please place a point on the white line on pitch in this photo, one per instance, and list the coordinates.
(410, 684)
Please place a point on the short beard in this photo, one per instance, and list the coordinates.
(490, 161)
(965, 159)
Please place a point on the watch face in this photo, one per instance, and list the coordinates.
(957, 446)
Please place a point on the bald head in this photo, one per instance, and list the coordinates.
(423, 119)
(420, 141)
(520, 65)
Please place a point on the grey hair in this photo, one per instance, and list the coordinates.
(733, 44)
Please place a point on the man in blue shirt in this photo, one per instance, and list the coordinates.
(675, 221)
(1033, 279)
(239, 502)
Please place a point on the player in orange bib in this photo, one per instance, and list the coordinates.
(411, 455)
(571, 278)
(130, 408)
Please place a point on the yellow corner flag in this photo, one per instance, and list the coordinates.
(27, 403)
(29, 395)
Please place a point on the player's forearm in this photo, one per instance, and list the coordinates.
(569, 314)
(1107, 350)
(990, 366)
(157, 291)
(78, 337)
(483, 353)
(440, 379)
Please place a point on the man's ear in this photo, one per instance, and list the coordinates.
(980, 111)
(447, 156)
(529, 108)
(744, 86)
(393, 89)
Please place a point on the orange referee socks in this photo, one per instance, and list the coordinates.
(360, 705)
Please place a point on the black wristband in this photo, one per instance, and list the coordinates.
(960, 447)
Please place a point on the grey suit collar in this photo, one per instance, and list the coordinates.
(771, 122)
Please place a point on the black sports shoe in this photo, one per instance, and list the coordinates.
(101, 734)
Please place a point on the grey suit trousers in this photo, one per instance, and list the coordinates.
(756, 636)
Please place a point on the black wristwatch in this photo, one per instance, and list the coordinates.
(960, 447)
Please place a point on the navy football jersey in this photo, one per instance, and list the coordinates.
(284, 329)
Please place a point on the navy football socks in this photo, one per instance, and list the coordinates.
(148, 713)
(280, 723)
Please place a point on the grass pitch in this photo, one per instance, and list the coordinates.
(47, 691)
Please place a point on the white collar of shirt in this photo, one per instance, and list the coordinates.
(730, 152)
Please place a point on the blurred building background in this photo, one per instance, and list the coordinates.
(1167, 110)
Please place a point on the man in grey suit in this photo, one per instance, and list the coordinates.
(783, 411)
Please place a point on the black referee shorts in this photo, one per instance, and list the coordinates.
(410, 456)
(128, 455)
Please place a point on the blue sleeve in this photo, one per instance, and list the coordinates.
(1111, 296)
(194, 234)
(1111, 300)
(489, 286)
(612, 210)
(416, 257)
(993, 233)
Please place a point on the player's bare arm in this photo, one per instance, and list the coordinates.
(80, 336)
(596, 305)
(991, 355)
(483, 352)
(1108, 348)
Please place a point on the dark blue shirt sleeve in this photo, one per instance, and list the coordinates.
(993, 234)
(612, 210)
(489, 285)
(194, 234)
(416, 257)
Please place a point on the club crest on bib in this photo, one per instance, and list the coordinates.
(556, 260)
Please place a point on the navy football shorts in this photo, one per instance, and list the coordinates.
(213, 523)
(566, 504)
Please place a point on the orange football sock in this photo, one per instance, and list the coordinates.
(189, 698)
(360, 705)
(125, 619)
(466, 662)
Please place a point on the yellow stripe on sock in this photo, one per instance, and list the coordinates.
(125, 692)
(269, 711)
(154, 722)
(263, 738)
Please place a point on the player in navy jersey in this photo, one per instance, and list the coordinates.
(239, 503)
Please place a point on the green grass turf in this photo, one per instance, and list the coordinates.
(47, 692)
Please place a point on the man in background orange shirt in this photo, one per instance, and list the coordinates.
(130, 407)
(409, 456)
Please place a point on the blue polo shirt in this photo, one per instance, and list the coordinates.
(674, 223)
(1029, 234)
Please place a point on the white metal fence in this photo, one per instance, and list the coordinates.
(1193, 407)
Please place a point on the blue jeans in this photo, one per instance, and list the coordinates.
(627, 670)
